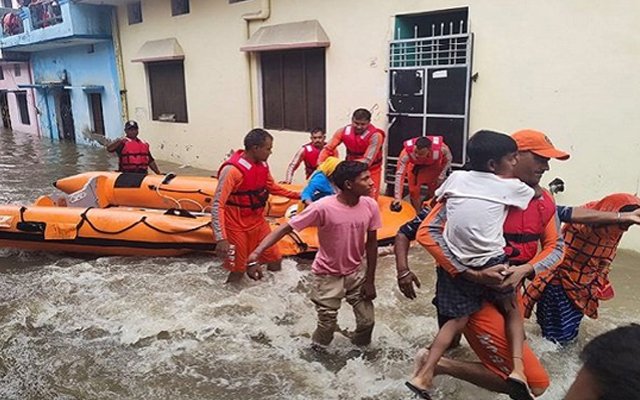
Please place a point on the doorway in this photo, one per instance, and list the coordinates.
(429, 82)
(66, 126)
(4, 109)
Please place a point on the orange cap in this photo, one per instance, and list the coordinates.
(537, 143)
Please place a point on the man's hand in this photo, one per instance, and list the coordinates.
(406, 284)
(632, 217)
(254, 271)
(517, 273)
(369, 291)
(222, 249)
(253, 258)
(492, 276)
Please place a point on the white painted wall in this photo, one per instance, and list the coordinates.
(566, 68)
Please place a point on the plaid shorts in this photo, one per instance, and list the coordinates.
(457, 297)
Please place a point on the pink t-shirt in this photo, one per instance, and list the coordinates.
(342, 232)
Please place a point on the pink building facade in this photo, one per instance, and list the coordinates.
(18, 106)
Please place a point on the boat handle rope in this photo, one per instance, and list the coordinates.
(178, 201)
(198, 191)
(143, 220)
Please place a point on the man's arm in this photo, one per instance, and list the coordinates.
(115, 145)
(274, 188)
(154, 166)
(407, 233)
(588, 216)
(372, 263)
(330, 147)
(294, 164)
(431, 236)
(401, 171)
(229, 178)
(253, 270)
(552, 247)
(375, 144)
(448, 157)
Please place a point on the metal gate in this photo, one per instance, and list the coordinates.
(429, 91)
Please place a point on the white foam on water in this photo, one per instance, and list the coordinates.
(118, 327)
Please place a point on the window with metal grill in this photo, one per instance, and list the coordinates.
(21, 98)
(168, 93)
(179, 7)
(1, 73)
(293, 89)
(17, 71)
(134, 12)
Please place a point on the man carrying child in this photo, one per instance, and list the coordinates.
(476, 202)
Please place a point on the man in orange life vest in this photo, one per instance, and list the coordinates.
(363, 142)
(133, 152)
(244, 185)
(308, 154)
(425, 160)
(534, 245)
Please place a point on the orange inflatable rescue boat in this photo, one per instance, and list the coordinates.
(192, 193)
(84, 222)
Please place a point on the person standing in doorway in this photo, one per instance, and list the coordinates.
(244, 185)
(424, 160)
(133, 153)
(363, 142)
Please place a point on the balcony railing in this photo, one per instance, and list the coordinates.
(45, 13)
(12, 24)
(48, 24)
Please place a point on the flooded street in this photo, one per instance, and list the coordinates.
(168, 328)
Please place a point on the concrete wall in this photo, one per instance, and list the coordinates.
(10, 83)
(567, 68)
(82, 68)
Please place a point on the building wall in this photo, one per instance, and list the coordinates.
(83, 66)
(566, 68)
(10, 83)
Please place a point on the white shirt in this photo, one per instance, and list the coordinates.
(477, 205)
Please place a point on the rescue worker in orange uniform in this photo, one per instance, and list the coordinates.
(424, 160)
(238, 222)
(132, 151)
(363, 142)
(308, 154)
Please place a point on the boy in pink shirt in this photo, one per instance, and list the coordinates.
(343, 222)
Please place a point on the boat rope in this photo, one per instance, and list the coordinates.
(142, 220)
(178, 202)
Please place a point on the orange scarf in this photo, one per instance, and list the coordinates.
(589, 251)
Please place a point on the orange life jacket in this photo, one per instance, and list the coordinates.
(435, 156)
(252, 195)
(134, 156)
(310, 158)
(357, 144)
(523, 228)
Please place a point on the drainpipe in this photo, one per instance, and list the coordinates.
(262, 15)
(117, 49)
(34, 94)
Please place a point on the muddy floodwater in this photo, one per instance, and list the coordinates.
(168, 328)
